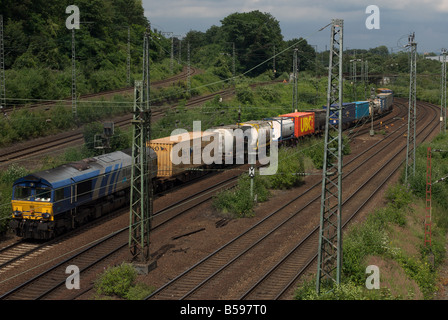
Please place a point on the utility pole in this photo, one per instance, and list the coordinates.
(128, 60)
(295, 76)
(188, 68)
(354, 76)
(2, 69)
(428, 198)
(330, 239)
(141, 201)
(412, 110)
(372, 105)
(177, 36)
(366, 77)
(179, 59)
(273, 63)
(315, 60)
(74, 106)
(172, 53)
(443, 94)
(233, 63)
(172, 49)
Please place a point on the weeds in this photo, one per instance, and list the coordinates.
(120, 281)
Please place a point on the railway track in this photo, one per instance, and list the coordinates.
(211, 281)
(67, 139)
(157, 84)
(212, 277)
(50, 284)
(16, 251)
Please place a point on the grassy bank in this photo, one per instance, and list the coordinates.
(392, 238)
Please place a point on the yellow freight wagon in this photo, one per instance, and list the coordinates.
(189, 147)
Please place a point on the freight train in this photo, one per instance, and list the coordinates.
(51, 202)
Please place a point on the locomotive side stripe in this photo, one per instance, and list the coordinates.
(104, 181)
(119, 172)
(112, 179)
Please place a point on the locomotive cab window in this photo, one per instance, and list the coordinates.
(43, 194)
(22, 193)
(84, 188)
(59, 195)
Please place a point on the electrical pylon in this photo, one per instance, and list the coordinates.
(141, 185)
(412, 110)
(2, 69)
(443, 94)
(188, 68)
(128, 58)
(428, 198)
(330, 244)
(295, 76)
(74, 104)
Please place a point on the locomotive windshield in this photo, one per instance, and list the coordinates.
(33, 194)
(22, 193)
(43, 194)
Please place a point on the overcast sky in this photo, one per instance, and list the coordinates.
(302, 18)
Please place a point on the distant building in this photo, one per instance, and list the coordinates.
(438, 58)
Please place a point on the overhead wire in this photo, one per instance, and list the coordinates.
(209, 84)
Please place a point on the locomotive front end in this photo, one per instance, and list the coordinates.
(32, 209)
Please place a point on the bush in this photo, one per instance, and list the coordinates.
(290, 162)
(116, 280)
(244, 94)
(238, 201)
(314, 149)
(365, 239)
(13, 173)
(120, 281)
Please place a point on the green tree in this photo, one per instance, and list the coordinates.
(254, 35)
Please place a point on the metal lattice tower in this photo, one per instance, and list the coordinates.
(172, 53)
(428, 198)
(233, 62)
(354, 74)
(330, 241)
(141, 185)
(366, 78)
(188, 68)
(412, 110)
(443, 94)
(128, 60)
(74, 106)
(179, 56)
(295, 76)
(171, 34)
(2, 68)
